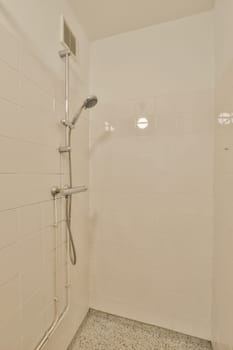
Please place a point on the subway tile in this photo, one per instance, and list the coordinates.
(47, 213)
(8, 228)
(33, 96)
(49, 315)
(31, 252)
(35, 70)
(62, 232)
(30, 219)
(37, 158)
(49, 239)
(7, 154)
(10, 89)
(25, 189)
(9, 118)
(9, 263)
(59, 89)
(61, 208)
(31, 105)
(49, 283)
(32, 266)
(10, 48)
(10, 334)
(32, 124)
(9, 299)
(32, 332)
(31, 280)
(62, 288)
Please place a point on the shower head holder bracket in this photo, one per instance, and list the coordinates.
(64, 149)
(64, 53)
(67, 124)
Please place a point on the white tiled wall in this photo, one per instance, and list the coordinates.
(223, 244)
(152, 190)
(31, 105)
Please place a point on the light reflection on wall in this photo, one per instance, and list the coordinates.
(142, 123)
(108, 127)
(225, 118)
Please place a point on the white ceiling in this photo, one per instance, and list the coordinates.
(102, 18)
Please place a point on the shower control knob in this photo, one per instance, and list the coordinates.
(55, 190)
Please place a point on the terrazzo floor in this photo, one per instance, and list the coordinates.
(101, 331)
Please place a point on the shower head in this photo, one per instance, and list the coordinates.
(90, 102)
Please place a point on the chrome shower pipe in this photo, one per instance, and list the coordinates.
(65, 54)
(57, 318)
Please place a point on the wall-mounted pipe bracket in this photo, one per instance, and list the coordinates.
(55, 190)
(64, 53)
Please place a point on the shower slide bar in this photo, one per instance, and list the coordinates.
(67, 192)
(58, 318)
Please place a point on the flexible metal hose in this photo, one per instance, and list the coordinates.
(72, 249)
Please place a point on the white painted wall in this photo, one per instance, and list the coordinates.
(152, 191)
(31, 106)
(223, 245)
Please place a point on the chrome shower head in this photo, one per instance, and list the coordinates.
(90, 102)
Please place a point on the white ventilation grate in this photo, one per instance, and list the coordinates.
(68, 39)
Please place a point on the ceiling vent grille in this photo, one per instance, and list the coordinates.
(68, 39)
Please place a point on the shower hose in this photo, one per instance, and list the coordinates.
(72, 250)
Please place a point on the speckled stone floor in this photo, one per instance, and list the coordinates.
(101, 331)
